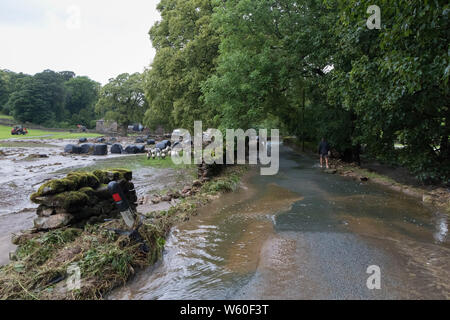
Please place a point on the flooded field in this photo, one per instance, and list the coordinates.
(25, 165)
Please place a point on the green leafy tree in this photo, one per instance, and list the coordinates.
(39, 99)
(186, 46)
(10, 83)
(396, 80)
(4, 92)
(270, 52)
(52, 86)
(123, 100)
(29, 104)
(81, 96)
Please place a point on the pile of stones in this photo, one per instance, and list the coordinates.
(79, 198)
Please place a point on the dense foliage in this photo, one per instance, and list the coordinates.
(52, 99)
(187, 47)
(312, 68)
(123, 100)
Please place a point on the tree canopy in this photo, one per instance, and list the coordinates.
(312, 68)
(187, 47)
(123, 100)
(49, 98)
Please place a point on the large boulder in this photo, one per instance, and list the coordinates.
(72, 148)
(100, 150)
(87, 148)
(117, 148)
(53, 222)
(81, 140)
(106, 176)
(150, 141)
(139, 140)
(73, 181)
(100, 140)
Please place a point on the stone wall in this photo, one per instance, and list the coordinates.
(106, 126)
(79, 198)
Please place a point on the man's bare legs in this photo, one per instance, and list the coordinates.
(321, 161)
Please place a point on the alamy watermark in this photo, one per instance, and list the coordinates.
(74, 277)
(73, 21)
(374, 21)
(374, 280)
(260, 149)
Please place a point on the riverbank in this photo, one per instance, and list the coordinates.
(105, 259)
(436, 196)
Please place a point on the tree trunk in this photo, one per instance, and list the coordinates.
(123, 130)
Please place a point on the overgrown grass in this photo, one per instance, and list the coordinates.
(225, 183)
(5, 133)
(162, 163)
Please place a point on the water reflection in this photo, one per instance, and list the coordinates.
(441, 225)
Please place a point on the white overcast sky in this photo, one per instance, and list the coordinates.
(95, 38)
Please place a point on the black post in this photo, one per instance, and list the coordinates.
(128, 215)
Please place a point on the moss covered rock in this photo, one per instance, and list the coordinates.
(73, 181)
(71, 201)
(106, 176)
(52, 222)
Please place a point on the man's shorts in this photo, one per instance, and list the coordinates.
(324, 155)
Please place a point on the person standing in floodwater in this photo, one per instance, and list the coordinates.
(324, 150)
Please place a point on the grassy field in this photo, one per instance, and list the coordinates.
(5, 133)
(3, 116)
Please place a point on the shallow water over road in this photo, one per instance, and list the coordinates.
(302, 234)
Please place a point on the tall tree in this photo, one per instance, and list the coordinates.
(186, 48)
(123, 100)
(81, 96)
(270, 52)
(29, 104)
(396, 81)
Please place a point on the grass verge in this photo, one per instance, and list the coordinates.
(5, 133)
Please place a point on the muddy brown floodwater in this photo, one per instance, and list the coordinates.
(302, 234)
(23, 170)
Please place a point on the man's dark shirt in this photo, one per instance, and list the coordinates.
(324, 147)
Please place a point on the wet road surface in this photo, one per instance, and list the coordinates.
(302, 234)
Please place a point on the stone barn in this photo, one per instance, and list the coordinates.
(106, 126)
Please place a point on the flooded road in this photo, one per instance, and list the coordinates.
(302, 234)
